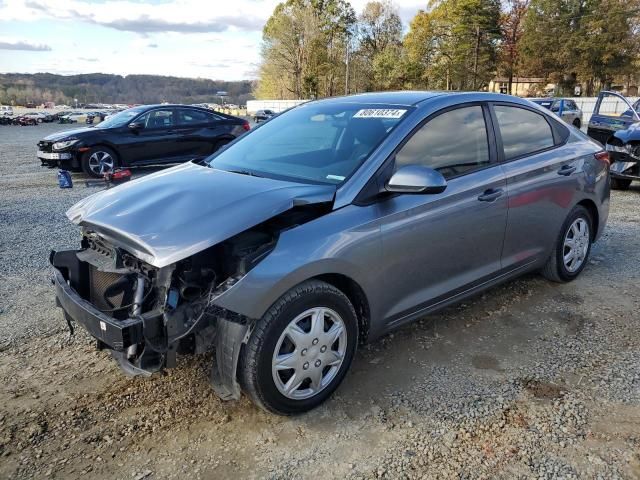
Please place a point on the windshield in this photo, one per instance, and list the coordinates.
(318, 143)
(121, 119)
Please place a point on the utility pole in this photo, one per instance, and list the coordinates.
(475, 57)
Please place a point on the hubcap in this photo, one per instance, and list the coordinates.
(576, 245)
(100, 163)
(309, 353)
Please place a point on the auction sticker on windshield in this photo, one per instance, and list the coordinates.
(380, 113)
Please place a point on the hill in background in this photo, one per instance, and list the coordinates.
(20, 89)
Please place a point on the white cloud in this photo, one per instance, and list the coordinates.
(198, 38)
(25, 45)
(184, 16)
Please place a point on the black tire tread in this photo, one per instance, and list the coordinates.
(551, 270)
(249, 357)
(620, 183)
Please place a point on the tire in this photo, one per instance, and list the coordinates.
(620, 183)
(556, 269)
(577, 124)
(257, 371)
(96, 157)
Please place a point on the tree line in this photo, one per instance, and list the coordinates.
(320, 48)
(20, 89)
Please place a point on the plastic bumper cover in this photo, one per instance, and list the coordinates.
(115, 334)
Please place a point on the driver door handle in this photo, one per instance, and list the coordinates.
(490, 195)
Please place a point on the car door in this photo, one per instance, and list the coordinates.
(612, 112)
(543, 179)
(198, 131)
(440, 245)
(151, 138)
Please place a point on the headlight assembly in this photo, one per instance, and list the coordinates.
(64, 144)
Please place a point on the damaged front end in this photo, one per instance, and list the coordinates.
(147, 311)
(624, 151)
(147, 315)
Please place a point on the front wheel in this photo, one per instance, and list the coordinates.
(99, 160)
(300, 350)
(573, 245)
(577, 124)
(620, 183)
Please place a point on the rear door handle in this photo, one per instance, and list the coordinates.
(566, 170)
(490, 195)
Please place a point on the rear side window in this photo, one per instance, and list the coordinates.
(193, 117)
(453, 143)
(523, 132)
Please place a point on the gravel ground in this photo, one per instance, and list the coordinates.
(529, 380)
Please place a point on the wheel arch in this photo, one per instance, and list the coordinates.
(104, 144)
(356, 295)
(595, 215)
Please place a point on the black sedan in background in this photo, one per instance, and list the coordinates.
(264, 115)
(145, 135)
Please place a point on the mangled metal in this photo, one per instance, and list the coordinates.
(147, 290)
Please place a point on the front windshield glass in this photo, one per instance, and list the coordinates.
(121, 119)
(317, 143)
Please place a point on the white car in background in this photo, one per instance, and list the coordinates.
(76, 117)
(6, 111)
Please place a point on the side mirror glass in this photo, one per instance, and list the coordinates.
(136, 126)
(416, 179)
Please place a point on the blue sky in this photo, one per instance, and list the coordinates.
(217, 39)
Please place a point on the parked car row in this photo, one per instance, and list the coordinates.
(152, 134)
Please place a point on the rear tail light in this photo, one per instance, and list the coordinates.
(246, 126)
(603, 157)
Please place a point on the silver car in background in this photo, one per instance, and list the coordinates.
(330, 225)
(565, 108)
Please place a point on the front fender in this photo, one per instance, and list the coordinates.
(344, 242)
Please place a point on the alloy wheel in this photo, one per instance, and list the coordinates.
(101, 162)
(309, 353)
(576, 245)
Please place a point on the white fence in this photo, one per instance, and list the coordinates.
(276, 105)
(610, 105)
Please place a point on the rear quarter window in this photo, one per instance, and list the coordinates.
(523, 131)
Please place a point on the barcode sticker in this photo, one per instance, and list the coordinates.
(380, 113)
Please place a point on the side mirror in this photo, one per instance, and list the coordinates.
(416, 179)
(135, 126)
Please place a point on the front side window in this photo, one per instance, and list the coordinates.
(315, 143)
(523, 132)
(453, 143)
(121, 119)
(157, 119)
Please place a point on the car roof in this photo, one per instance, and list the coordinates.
(172, 105)
(413, 98)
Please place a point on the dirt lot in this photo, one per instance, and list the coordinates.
(530, 380)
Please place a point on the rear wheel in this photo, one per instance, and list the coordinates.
(577, 124)
(620, 183)
(573, 245)
(300, 350)
(99, 160)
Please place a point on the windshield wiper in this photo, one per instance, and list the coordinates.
(244, 172)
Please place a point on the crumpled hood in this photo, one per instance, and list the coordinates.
(632, 132)
(54, 137)
(172, 214)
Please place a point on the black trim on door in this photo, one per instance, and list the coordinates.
(375, 183)
(559, 132)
